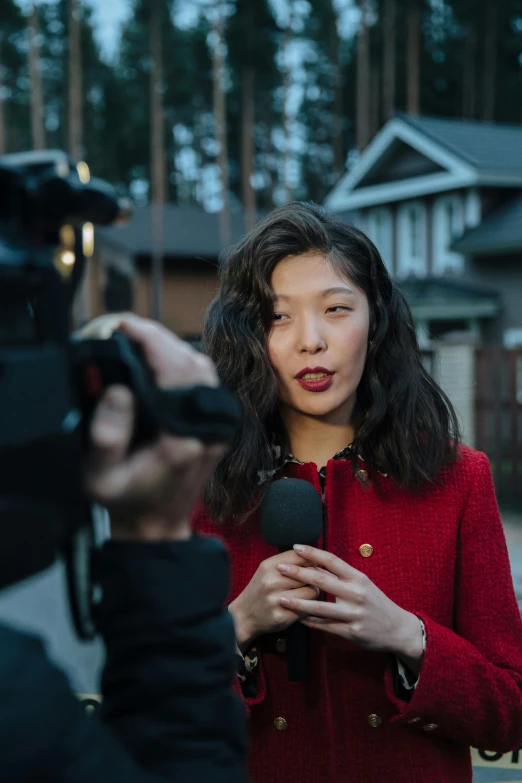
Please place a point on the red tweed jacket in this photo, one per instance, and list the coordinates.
(442, 556)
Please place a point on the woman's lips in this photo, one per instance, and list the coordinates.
(319, 385)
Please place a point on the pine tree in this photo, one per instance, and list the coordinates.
(187, 101)
(326, 111)
(35, 75)
(15, 78)
(363, 76)
(252, 45)
(75, 71)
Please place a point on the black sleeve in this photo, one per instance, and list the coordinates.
(167, 684)
(169, 709)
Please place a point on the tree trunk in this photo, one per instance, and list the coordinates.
(287, 117)
(76, 149)
(247, 146)
(490, 61)
(220, 118)
(389, 61)
(337, 88)
(269, 152)
(3, 139)
(158, 168)
(413, 59)
(35, 75)
(363, 80)
(469, 80)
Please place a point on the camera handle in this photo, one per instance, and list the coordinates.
(209, 414)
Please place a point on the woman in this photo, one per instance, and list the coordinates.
(416, 637)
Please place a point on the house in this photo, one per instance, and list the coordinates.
(442, 200)
(118, 276)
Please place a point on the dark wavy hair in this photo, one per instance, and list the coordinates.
(405, 424)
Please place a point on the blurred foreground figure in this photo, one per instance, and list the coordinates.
(169, 712)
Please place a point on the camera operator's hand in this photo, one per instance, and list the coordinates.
(150, 492)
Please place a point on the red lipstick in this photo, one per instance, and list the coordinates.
(315, 384)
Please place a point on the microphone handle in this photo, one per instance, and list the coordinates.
(298, 652)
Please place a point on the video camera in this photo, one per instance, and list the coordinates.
(50, 382)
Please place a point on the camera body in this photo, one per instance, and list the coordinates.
(50, 382)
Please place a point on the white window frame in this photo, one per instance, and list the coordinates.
(444, 259)
(473, 208)
(379, 224)
(411, 260)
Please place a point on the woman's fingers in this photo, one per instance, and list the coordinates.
(324, 609)
(326, 560)
(312, 576)
(302, 593)
(324, 624)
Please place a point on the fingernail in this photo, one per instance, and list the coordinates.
(284, 568)
(285, 601)
(299, 548)
(118, 399)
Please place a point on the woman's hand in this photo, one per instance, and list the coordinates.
(361, 613)
(258, 608)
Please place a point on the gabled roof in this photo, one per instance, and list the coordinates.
(189, 232)
(461, 154)
(491, 149)
(499, 232)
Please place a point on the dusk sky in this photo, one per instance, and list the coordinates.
(108, 14)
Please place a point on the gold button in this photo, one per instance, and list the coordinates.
(374, 721)
(414, 720)
(430, 727)
(366, 550)
(362, 475)
(281, 724)
(281, 645)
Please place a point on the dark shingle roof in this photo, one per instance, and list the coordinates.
(499, 232)
(490, 148)
(188, 232)
(444, 291)
(437, 299)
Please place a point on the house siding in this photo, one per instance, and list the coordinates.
(186, 296)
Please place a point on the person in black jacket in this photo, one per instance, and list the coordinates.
(169, 712)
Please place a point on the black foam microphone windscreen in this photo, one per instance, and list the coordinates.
(292, 513)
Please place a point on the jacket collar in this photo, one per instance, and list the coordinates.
(281, 459)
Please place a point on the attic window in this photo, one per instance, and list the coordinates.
(412, 250)
(380, 232)
(448, 224)
(415, 234)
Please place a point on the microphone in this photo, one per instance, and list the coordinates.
(292, 513)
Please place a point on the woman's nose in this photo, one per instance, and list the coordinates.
(310, 339)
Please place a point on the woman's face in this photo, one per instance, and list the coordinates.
(318, 341)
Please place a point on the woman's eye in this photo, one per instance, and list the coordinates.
(338, 308)
(279, 316)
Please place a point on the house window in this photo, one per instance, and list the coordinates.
(415, 236)
(412, 251)
(448, 224)
(380, 231)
